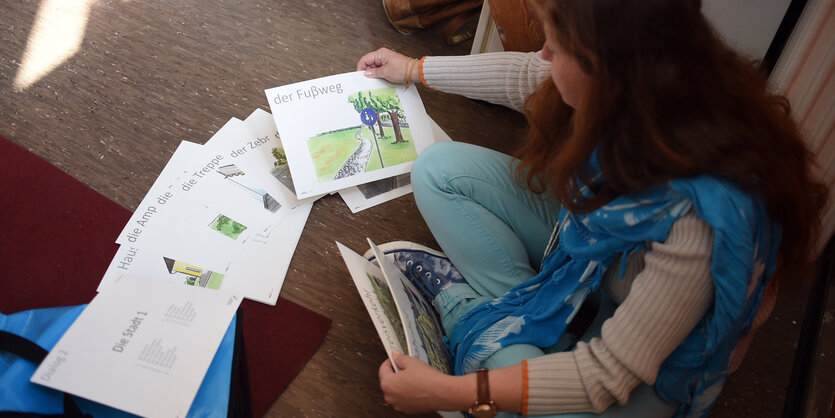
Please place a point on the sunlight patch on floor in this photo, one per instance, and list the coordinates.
(56, 36)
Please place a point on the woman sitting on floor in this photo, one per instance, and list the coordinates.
(660, 186)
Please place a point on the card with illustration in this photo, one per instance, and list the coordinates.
(183, 269)
(141, 346)
(266, 152)
(179, 261)
(198, 184)
(348, 129)
(255, 270)
(233, 182)
(218, 213)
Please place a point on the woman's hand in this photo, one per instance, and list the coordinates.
(389, 65)
(417, 387)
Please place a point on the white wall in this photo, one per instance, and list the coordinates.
(747, 25)
(805, 74)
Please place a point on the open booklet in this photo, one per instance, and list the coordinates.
(404, 319)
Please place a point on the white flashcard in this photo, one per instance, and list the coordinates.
(266, 151)
(224, 219)
(142, 346)
(347, 129)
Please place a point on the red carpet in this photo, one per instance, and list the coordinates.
(57, 238)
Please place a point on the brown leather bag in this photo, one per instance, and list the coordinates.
(518, 28)
(408, 16)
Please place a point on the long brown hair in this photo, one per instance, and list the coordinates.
(668, 99)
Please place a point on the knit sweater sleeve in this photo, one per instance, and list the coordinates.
(504, 78)
(666, 300)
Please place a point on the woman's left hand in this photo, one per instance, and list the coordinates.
(417, 387)
(389, 65)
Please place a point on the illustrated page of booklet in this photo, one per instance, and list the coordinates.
(347, 129)
(215, 218)
(403, 318)
(142, 346)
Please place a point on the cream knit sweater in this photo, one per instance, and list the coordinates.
(666, 291)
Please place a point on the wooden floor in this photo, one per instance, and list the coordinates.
(119, 83)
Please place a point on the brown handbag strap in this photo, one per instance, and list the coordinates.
(458, 29)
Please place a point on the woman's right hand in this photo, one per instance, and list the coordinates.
(389, 65)
(415, 388)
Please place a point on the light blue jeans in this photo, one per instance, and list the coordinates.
(495, 232)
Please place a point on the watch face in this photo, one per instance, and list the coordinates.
(483, 410)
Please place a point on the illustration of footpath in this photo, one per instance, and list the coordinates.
(385, 142)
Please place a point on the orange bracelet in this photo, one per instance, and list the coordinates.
(408, 72)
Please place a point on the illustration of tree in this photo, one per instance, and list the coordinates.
(227, 226)
(375, 105)
(392, 106)
(382, 101)
(280, 157)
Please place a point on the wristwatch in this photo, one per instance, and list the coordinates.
(483, 407)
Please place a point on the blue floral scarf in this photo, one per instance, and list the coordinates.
(538, 311)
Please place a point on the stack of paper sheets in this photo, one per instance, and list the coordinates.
(218, 216)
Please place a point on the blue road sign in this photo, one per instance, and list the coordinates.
(368, 116)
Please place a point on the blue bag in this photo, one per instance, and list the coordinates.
(224, 391)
